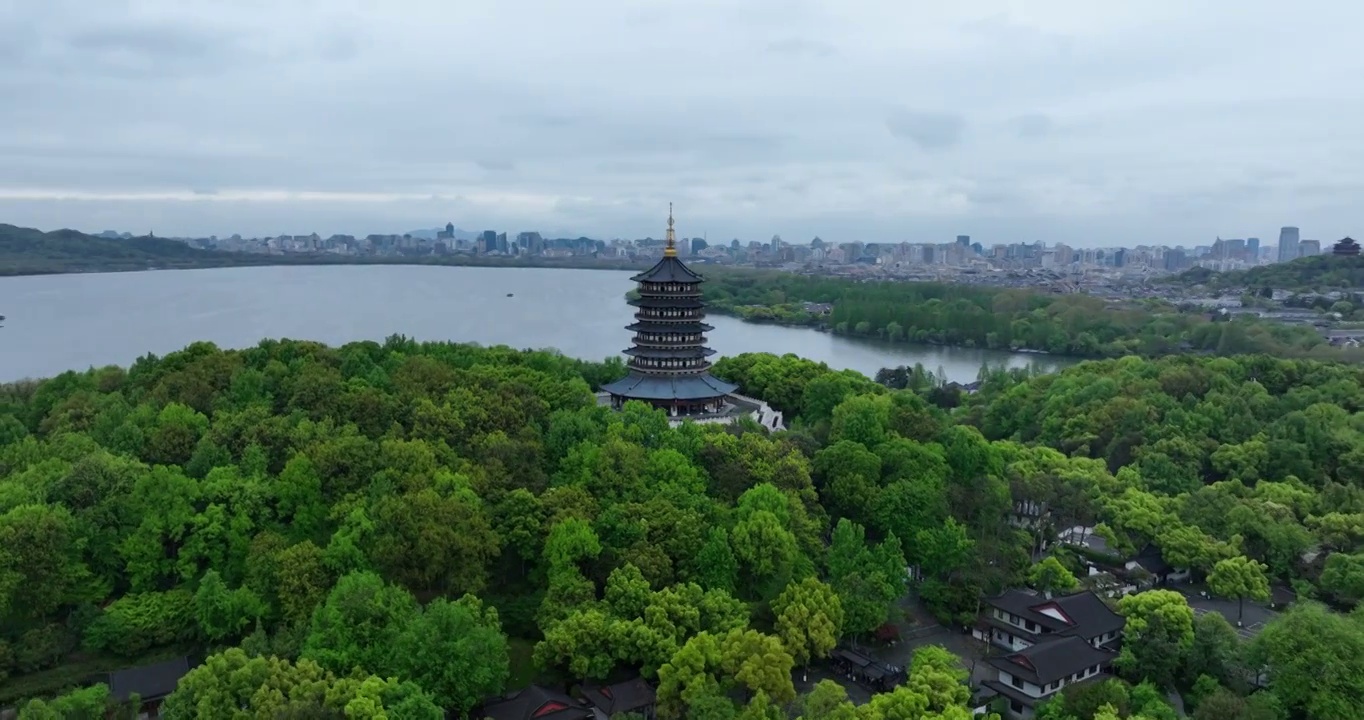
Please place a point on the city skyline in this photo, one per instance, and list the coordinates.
(469, 234)
(1162, 123)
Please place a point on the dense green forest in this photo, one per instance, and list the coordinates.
(401, 529)
(1319, 272)
(1003, 318)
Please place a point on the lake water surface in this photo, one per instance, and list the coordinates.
(72, 322)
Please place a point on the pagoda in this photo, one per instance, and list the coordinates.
(1346, 246)
(669, 362)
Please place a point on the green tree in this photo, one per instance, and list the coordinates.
(455, 651)
(868, 580)
(1343, 577)
(1050, 576)
(231, 684)
(1157, 637)
(303, 580)
(1314, 661)
(1216, 649)
(758, 662)
(224, 613)
(809, 619)
(827, 701)
(133, 623)
(691, 678)
(90, 703)
(40, 563)
(359, 624)
(716, 566)
(1240, 578)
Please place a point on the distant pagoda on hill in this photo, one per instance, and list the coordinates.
(1346, 246)
(669, 362)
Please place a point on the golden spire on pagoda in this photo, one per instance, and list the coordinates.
(671, 249)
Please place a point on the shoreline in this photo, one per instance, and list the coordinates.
(824, 328)
(318, 260)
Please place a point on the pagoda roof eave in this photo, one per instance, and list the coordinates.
(641, 386)
(669, 269)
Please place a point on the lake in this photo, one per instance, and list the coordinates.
(72, 322)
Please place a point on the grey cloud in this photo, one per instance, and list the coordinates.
(734, 147)
(495, 165)
(989, 197)
(144, 51)
(340, 47)
(166, 42)
(802, 47)
(928, 130)
(1033, 125)
(542, 121)
(757, 117)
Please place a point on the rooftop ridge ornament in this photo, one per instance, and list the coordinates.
(670, 250)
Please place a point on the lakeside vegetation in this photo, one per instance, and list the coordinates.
(1001, 318)
(1319, 272)
(398, 526)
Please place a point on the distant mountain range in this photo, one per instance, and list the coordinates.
(26, 251)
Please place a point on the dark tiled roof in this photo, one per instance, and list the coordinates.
(669, 269)
(659, 326)
(669, 353)
(149, 682)
(1050, 661)
(624, 697)
(535, 703)
(1088, 615)
(684, 387)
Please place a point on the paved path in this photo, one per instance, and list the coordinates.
(1178, 702)
(1253, 619)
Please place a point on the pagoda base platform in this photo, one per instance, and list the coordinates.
(734, 407)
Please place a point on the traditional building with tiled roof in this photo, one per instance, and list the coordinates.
(1049, 643)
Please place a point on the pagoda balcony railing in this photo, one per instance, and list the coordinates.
(654, 368)
(670, 294)
(700, 340)
(648, 287)
(690, 316)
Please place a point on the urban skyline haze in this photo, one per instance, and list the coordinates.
(1059, 121)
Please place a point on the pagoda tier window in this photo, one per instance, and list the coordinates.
(652, 337)
(668, 364)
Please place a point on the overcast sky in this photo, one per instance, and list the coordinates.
(1093, 123)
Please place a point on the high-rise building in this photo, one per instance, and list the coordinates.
(964, 240)
(530, 241)
(1309, 248)
(1253, 249)
(1288, 244)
